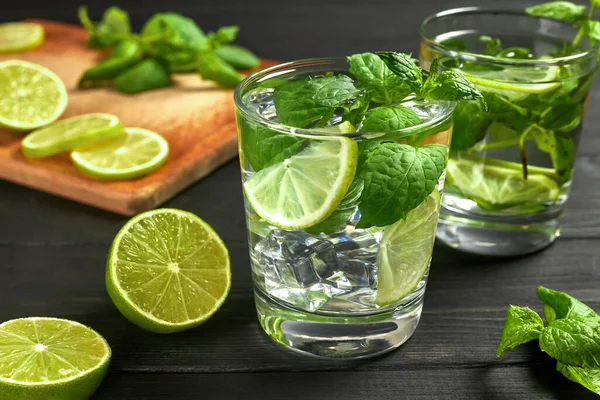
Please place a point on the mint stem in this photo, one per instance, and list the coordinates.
(581, 31)
(549, 172)
(495, 145)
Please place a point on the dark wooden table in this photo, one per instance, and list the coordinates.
(53, 253)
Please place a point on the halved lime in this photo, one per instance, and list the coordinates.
(529, 80)
(19, 36)
(137, 153)
(50, 359)
(168, 271)
(32, 95)
(304, 189)
(405, 251)
(499, 187)
(71, 133)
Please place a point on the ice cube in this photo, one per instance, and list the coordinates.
(358, 267)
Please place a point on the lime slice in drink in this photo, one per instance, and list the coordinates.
(137, 153)
(19, 36)
(71, 133)
(344, 127)
(168, 271)
(304, 189)
(494, 186)
(405, 251)
(528, 80)
(32, 95)
(50, 359)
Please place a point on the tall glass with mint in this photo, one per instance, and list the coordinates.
(512, 155)
(343, 165)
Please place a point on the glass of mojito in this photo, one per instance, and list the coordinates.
(512, 153)
(342, 165)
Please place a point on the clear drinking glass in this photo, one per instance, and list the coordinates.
(350, 292)
(511, 166)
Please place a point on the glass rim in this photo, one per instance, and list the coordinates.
(485, 59)
(285, 68)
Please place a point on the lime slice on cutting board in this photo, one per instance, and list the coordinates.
(31, 95)
(50, 359)
(495, 186)
(168, 271)
(71, 133)
(137, 153)
(306, 188)
(405, 251)
(20, 36)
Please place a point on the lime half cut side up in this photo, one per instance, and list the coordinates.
(306, 188)
(168, 271)
(32, 95)
(50, 359)
(137, 153)
(405, 251)
(497, 187)
(71, 133)
(20, 36)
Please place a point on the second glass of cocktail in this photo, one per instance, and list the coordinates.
(342, 167)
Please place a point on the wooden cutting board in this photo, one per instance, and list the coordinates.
(196, 117)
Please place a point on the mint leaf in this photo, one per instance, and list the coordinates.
(382, 85)
(398, 178)
(499, 131)
(223, 36)
(355, 112)
(493, 46)
(572, 341)
(521, 325)
(563, 305)
(471, 122)
(405, 67)
(561, 10)
(434, 67)
(450, 86)
(343, 212)
(264, 147)
(587, 377)
(125, 54)
(455, 44)
(295, 106)
(211, 67)
(148, 75)
(563, 157)
(237, 56)
(562, 117)
(332, 91)
(114, 27)
(390, 120)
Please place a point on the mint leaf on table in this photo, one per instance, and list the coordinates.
(521, 325)
(587, 377)
(211, 67)
(471, 122)
(114, 27)
(398, 177)
(237, 56)
(332, 91)
(223, 36)
(380, 83)
(562, 10)
(449, 86)
(343, 212)
(391, 121)
(405, 67)
(572, 341)
(147, 75)
(564, 305)
(125, 54)
(264, 147)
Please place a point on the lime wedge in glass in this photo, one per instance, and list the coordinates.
(304, 189)
(32, 95)
(527, 80)
(137, 153)
(168, 271)
(20, 36)
(50, 359)
(405, 251)
(497, 187)
(71, 133)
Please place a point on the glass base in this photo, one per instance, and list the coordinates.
(514, 236)
(347, 336)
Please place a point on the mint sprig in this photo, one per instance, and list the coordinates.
(571, 336)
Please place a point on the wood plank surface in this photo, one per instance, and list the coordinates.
(195, 116)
